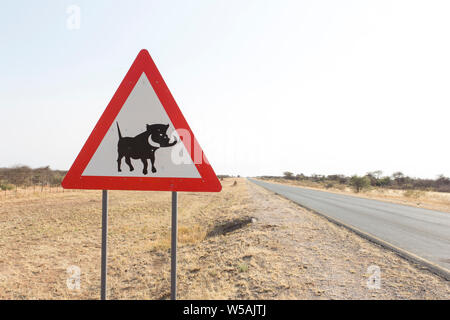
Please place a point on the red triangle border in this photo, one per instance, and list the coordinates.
(74, 179)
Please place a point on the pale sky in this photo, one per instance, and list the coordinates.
(267, 86)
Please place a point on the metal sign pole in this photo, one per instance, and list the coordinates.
(173, 274)
(104, 243)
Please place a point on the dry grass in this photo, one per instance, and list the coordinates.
(42, 234)
(286, 253)
(439, 201)
(31, 191)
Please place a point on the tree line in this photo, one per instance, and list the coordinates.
(397, 180)
(24, 176)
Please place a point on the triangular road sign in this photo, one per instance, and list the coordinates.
(142, 141)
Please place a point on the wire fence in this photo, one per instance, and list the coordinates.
(32, 191)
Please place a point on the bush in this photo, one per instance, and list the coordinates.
(6, 186)
(288, 175)
(384, 182)
(416, 194)
(359, 183)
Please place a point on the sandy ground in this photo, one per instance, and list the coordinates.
(287, 252)
(439, 201)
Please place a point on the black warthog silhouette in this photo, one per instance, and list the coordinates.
(143, 146)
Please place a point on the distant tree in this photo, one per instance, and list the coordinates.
(372, 179)
(399, 178)
(342, 179)
(384, 182)
(398, 175)
(359, 183)
(442, 183)
(56, 179)
(333, 177)
(288, 175)
(376, 174)
(317, 177)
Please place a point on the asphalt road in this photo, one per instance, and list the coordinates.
(425, 233)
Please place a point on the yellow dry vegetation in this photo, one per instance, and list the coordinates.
(42, 234)
(241, 243)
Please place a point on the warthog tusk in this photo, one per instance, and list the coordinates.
(173, 143)
(152, 143)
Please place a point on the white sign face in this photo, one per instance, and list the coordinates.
(141, 131)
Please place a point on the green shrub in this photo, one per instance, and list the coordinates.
(288, 175)
(243, 267)
(359, 183)
(329, 185)
(384, 182)
(6, 186)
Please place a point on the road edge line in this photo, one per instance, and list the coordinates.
(411, 257)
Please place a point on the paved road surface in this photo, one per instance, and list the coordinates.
(423, 232)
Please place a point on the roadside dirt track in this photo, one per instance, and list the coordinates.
(291, 253)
